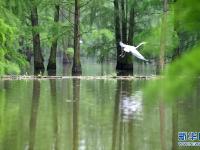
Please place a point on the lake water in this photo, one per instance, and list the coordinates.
(74, 114)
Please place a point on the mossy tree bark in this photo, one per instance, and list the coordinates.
(76, 69)
(52, 58)
(38, 58)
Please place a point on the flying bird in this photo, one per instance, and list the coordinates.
(131, 49)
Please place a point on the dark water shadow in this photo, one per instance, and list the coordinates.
(51, 72)
(162, 125)
(76, 99)
(124, 73)
(53, 91)
(39, 72)
(34, 113)
(76, 74)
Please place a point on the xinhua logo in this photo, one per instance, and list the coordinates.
(189, 138)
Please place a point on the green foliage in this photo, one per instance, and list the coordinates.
(188, 14)
(11, 61)
(99, 43)
(70, 52)
(98, 14)
(180, 79)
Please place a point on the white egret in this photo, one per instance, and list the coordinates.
(132, 50)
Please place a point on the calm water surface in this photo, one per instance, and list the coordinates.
(73, 114)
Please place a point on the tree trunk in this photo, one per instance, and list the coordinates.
(76, 69)
(124, 63)
(65, 40)
(38, 58)
(163, 39)
(52, 59)
(117, 29)
(176, 52)
(124, 22)
(131, 26)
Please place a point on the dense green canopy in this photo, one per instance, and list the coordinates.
(141, 20)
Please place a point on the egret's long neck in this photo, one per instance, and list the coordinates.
(140, 44)
(122, 44)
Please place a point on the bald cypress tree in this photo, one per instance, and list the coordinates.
(161, 61)
(76, 69)
(38, 58)
(121, 30)
(52, 58)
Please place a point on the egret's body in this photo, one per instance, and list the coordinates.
(132, 50)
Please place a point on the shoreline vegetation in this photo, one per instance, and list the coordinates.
(108, 77)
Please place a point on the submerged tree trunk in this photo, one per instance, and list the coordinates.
(76, 69)
(52, 59)
(160, 66)
(123, 63)
(38, 58)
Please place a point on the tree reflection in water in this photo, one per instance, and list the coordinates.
(76, 99)
(34, 112)
(55, 113)
(126, 108)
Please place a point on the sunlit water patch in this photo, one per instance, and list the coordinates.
(131, 106)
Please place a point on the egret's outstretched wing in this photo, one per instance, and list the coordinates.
(142, 43)
(138, 55)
